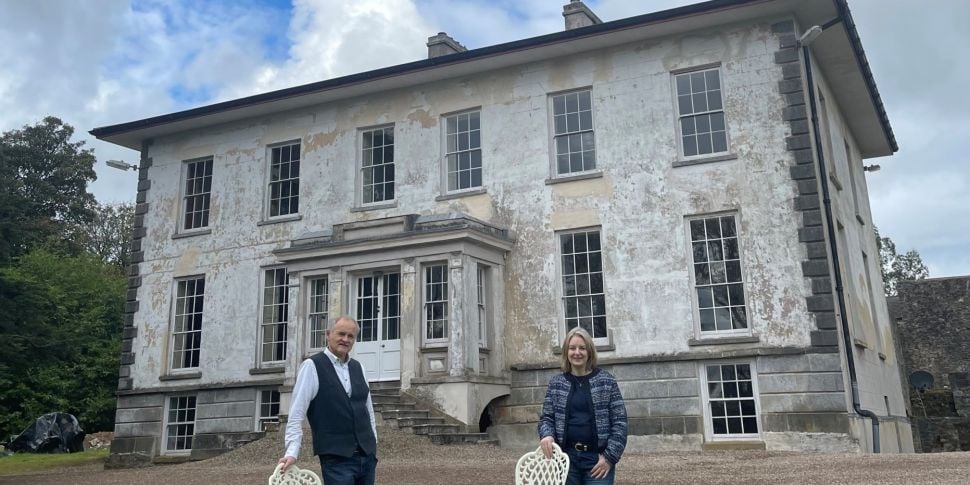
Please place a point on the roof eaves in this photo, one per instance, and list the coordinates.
(863, 63)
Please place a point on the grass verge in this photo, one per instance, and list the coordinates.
(30, 462)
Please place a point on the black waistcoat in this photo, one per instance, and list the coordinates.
(340, 424)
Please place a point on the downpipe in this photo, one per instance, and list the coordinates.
(833, 247)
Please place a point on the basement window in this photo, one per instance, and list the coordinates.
(179, 424)
(731, 402)
(269, 408)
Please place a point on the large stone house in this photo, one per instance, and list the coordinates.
(659, 180)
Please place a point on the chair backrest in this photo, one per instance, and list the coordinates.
(535, 469)
(294, 476)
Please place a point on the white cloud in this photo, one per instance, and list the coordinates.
(107, 62)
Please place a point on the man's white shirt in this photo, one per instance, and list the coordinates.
(306, 388)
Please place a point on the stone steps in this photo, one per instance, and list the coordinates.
(399, 411)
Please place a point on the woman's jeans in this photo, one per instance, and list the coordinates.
(580, 463)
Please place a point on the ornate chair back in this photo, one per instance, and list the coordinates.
(535, 469)
(294, 476)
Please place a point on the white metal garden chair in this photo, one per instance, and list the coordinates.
(294, 476)
(535, 469)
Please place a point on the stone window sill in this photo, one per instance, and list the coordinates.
(572, 178)
(278, 220)
(179, 377)
(365, 208)
(435, 347)
(266, 370)
(747, 339)
(700, 161)
(181, 235)
(458, 195)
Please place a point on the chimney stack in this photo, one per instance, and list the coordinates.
(443, 45)
(578, 15)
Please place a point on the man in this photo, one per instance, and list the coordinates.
(332, 393)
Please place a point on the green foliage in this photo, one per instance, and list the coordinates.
(21, 463)
(43, 187)
(108, 236)
(61, 317)
(898, 267)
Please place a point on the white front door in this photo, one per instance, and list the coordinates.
(377, 306)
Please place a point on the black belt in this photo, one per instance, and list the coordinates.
(579, 446)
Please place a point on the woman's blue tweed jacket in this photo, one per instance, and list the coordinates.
(608, 408)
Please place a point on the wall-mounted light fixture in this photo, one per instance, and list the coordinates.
(121, 165)
(871, 168)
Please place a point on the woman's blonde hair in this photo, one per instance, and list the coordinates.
(564, 365)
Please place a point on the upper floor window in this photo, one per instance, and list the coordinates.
(284, 180)
(187, 325)
(436, 302)
(463, 153)
(377, 165)
(583, 295)
(195, 197)
(572, 116)
(701, 113)
(275, 315)
(718, 283)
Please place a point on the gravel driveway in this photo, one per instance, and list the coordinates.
(409, 459)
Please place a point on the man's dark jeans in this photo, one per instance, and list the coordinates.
(359, 469)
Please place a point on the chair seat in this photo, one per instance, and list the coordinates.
(534, 468)
(294, 476)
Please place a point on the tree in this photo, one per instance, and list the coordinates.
(898, 267)
(108, 236)
(61, 318)
(43, 187)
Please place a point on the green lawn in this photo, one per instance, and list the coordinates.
(29, 462)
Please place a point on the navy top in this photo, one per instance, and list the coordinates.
(580, 425)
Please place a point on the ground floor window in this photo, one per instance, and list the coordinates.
(180, 423)
(731, 400)
(436, 302)
(275, 315)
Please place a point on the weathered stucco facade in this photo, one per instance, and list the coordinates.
(501, 242)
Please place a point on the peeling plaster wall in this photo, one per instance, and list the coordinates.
(640, 202)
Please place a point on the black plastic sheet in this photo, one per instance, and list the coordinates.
(50, 433)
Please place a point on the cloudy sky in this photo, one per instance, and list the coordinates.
(100, 62)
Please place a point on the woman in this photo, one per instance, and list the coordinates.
(584, 414)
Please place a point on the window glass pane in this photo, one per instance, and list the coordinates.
(690, 146)
(719, 140)
(713, 373)
(704, 297)
(707, 321)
